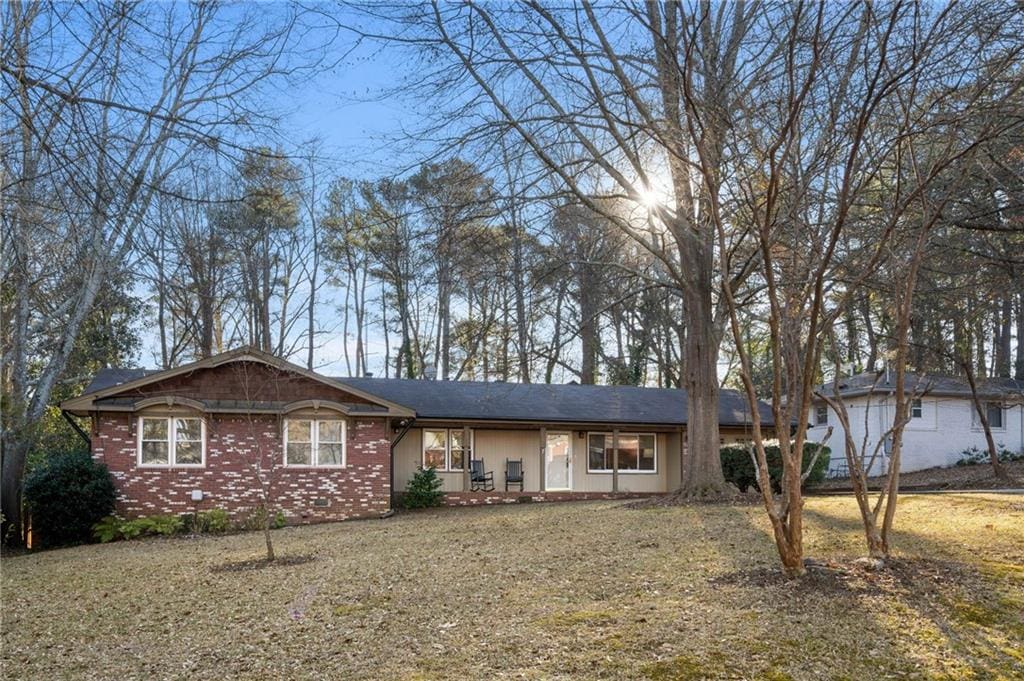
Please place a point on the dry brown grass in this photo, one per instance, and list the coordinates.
(545, 591)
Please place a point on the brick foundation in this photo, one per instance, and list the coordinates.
(234, 447)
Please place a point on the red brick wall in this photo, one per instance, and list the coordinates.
(234, 445)
(244, 381)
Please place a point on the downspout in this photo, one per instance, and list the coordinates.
(408, 423)
(78, 429)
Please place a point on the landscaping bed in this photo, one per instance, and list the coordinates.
(975, 476)
(586, 590)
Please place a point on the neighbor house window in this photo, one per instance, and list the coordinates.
(312, 442)
(637, 452)
(821, 415)
(916, 410)
(445, 449)
(171, 441)
(994, 414)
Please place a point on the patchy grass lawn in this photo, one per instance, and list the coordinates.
(545, 591)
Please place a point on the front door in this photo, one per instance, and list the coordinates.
(557, 460)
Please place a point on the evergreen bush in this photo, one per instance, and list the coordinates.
(66, 496)
(423, 490)
(738, 467)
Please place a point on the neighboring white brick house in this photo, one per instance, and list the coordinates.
(943, 422)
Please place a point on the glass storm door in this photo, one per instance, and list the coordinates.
(557, 459)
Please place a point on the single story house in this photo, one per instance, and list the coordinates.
(220, 431)
(943, 419)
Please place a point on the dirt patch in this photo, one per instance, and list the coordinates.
(262, 563)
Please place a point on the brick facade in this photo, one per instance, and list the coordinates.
(228, 480)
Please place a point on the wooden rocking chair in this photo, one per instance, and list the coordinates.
(514, 473)
(480, 480)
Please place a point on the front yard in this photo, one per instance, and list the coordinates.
(545, 591)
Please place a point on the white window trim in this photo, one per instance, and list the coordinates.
(919, 405)
(314, 448)
(447, 449)
(817, 415)
(609, 471)
(172, 443)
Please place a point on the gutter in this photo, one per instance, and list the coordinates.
(78, 429)
(391, 473)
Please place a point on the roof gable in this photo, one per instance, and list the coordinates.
(241, 375)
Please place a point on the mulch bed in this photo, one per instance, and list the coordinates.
(977, 476)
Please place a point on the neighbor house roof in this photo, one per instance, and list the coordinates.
(500, 401)
(884, 383)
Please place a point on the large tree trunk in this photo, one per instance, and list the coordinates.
(1019, 363)
(13, 469)
(1004, 316)
(703, 468)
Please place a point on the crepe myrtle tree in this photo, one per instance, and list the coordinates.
(845, 175)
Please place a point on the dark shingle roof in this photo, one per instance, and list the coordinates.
(497, 401)
(108, 378)
(932, 384)
(548, 402)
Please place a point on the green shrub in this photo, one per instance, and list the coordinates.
(255, 520)
(66, 496)
(214, 521)
(113, 528)
(423, 490)
(738, 468)
(109, 529)
(165, 525)
(973, 456)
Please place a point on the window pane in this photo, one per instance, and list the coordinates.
(597, 452)
(329, 454)
(300, 453)
(995, 416)
(456, 437)
(330, 431)
(154, 429)
(434, 439)
(629, 452)
(188, 429)
(154, 452)
(188, 452)
(433, 458)
(457, 459)
(647, 446)
(300, 431)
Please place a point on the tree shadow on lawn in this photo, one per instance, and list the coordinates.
(922, 613)
(975, 611)
(260, 563)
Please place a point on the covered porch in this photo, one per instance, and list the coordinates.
(558, 461)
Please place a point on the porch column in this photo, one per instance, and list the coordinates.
(543, 457)
(467, 457)
(615, 460)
